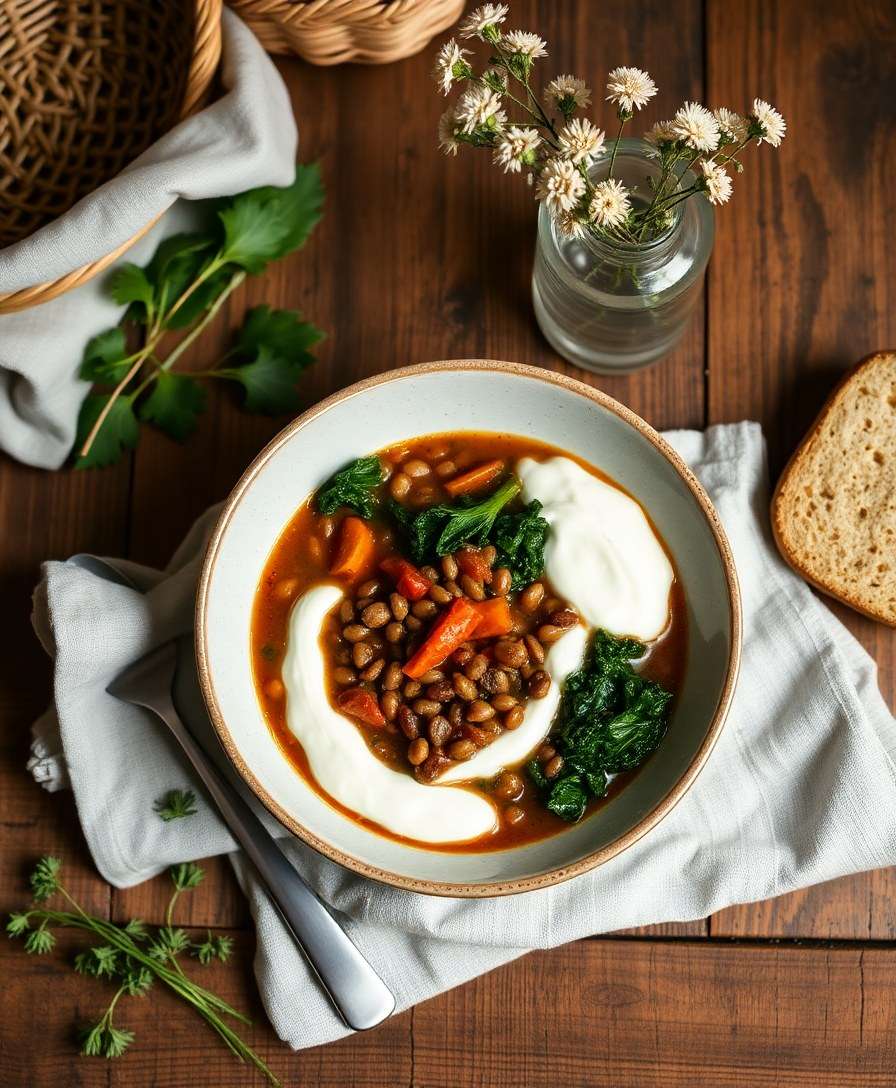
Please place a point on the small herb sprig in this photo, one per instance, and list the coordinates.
(133, 957)
(176, 804)
(557, 149)
(183, 288)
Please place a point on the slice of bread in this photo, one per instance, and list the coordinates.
(834, 509)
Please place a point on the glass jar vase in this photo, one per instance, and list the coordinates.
(612, 309)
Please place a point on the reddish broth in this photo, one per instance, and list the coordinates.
(300, 559)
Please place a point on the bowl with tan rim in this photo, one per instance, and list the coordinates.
(468, 395)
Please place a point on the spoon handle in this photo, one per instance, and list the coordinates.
(357, 991)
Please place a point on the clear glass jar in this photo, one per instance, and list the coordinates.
(614, 309)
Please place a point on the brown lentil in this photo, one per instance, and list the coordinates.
(504, 702)
(545, 753)
(445, 469)
(501, 582)
(399, 605)
(373, 670)
(275, 689)
(408, 722)
(430, 572)
(399, 485)
(476, 667)
(362, 654)
(461, 749)
(513, 719)
(496, 681)
(412, 689)
(344, 675)
(440, 595)
(416, 468)
(488, 553)
(553, 767)
(531, 597)
(424, 609)
(539, 684)
(508, 786)
(393, 677)
(394, 631)
(441, 692)
(428, 708)
(512, 653)
(453, 588)
(549, 633)
(376, 615)
(389, 704)
(480, 711)
(418, 750)
(535, 648)
(456, 715)
(473, 589)
(346, 611)
(462, 656)
(439, 729)
(553, 604)
(354, 632)
(370, 588)
(564, 617)
(449, 566)
(413, 624)
(464, 687)
(513, 814)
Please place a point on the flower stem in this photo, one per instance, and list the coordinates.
(622, 121)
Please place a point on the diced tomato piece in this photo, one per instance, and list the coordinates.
(475, 479)
(494, 617)
(354, 550)
(361, 704)
(471, 561)
(452, 629)
(409, 581)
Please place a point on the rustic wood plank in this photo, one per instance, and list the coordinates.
(798, 290)
(669, 1014)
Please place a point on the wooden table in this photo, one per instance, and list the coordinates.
(418, 258)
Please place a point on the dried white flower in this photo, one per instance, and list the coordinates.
(770, 121)
(716, 183)
(697, 127)
(450, 65)
(525, 43)
(517, 147)
(663, 132)
(610, 204)
(630, 88)
(479, 106)
(580, 141)
(569, 92)
(569, 225)
(732, 123)
(447, 132)
(478, 21)
(559, 186)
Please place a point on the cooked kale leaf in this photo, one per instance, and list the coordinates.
(353, 486)
(610, 720)
(520, 540)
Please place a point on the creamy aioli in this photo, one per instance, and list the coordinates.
(513, 746)
(602, 554)
(339, 757)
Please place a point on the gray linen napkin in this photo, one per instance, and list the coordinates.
(800, 788)
(245, 138)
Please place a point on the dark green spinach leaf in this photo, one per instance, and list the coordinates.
(520, 539)
(353, 486)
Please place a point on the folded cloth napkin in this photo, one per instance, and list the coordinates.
(800, 788)
(245, 138)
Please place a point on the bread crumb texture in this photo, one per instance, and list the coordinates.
(834, 512)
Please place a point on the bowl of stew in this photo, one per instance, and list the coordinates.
(468, 628)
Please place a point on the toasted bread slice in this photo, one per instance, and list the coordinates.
(834, 509)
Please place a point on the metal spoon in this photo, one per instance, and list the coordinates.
(358, 993)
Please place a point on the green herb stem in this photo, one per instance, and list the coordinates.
(197, 330)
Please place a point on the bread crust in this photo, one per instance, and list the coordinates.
(779, 521)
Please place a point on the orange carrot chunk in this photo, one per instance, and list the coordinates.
(409, 581)
(361, 704)
(471, 561)
(475, 479)
(451, 630)
(354, 550)
(494, 617)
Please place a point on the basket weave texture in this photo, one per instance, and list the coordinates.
(85, 87)
(336, 31)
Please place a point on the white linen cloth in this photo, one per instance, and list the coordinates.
(245, 138)
(801, 786)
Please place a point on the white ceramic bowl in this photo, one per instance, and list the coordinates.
(452, 396)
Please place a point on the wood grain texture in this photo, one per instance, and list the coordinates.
(800, 288)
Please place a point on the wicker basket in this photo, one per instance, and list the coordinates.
(85, 87)
(336, 31)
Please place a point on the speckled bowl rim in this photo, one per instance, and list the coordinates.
(501, 887)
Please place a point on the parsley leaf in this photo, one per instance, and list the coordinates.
(353, 486)
(175, 404)
(265, 224)
(520, 540)
(281, 331)
(269, 382)
(130, 283)
(441, 530)
(186, 875)
(176, 804)
(120, 430)
(105, 357)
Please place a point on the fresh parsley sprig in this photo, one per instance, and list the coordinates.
(184, 287)
(176, 804)
(132, 957)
